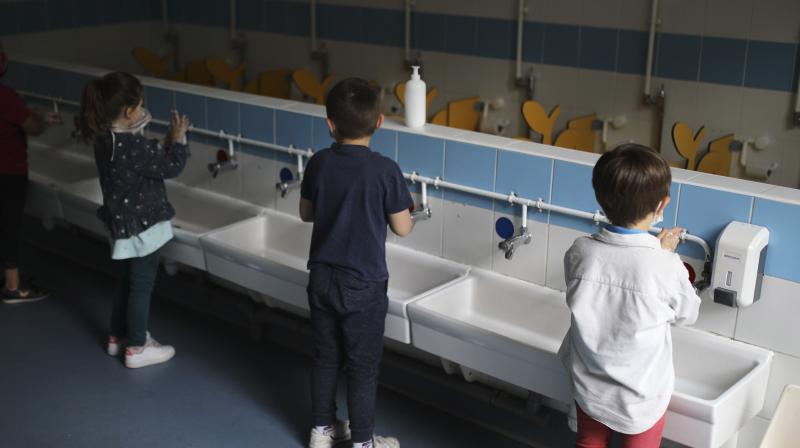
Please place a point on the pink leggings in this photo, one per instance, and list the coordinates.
(593, 434)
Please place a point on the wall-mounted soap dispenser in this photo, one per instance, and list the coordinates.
(739, 264)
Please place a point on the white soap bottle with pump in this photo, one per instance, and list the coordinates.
(415, 100)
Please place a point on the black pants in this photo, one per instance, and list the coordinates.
(347, 317)
(13, 190)
(130, 309)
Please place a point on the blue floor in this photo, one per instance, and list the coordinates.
(223, 389)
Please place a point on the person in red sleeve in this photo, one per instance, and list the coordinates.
(17, 122)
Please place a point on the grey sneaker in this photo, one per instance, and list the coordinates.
(338, 433)
(151, 353)
(385, 442)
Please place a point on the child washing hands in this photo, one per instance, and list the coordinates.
(135, 208)
(625, 288)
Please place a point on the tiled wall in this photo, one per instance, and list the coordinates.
(36, 16)
(728, 65)
(462, 227)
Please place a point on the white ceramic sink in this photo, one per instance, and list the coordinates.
(512, 329)
(52, 168)
(196, 212)
(268, 254)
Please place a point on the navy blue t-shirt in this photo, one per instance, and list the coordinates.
(353, 191)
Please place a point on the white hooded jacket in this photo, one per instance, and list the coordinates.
(624, 291)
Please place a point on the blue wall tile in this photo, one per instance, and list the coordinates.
(159, 102)
(561, 44)
(87, 13)
(461, 34)
(296, 18)
(422, 154)
(112, 11)
(572, 187)
(384, 141)
(470, 165)
(598, 48)
(223, 115)
(257, 123)
(496, 38)
(671, 212)
(32, 17)
(632, 52)
(383, 27)
(73, 85)
(533, 41)
(770, 65)
(339, 22)
(678, 56)
(61, 14)
(293, 129)
(526, 175)
(723, 61)
(137, 10)
(320, 134)
(429, 31)
(194, 106)
(155, 10)
(274, 16)
(250, 15)
(784, 241)
(705, 212)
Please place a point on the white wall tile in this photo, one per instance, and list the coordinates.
(785, 370)
(683, 16)
(529, 262)
(719, 106)
(258, 180)
(775, 20)
(601, 13)
(562, 11)
(772, 321)
(467, 234)
(595, 91)
(634, 15)
(427, 235)
(560, 239)
(729, 18)
(716, 318)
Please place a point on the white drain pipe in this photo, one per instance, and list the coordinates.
(520, 27)
(651, 41)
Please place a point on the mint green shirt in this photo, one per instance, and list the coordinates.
(142, 244)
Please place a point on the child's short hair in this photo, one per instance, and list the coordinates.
(629, 182)
(353, 106)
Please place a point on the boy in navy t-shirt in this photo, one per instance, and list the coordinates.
(351, 194)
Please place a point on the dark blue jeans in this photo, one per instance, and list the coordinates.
(131, 307)
(347, 317)
(13, 189)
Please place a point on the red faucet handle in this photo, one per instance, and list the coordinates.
(412, 208)
(222, 156)
(690, 270)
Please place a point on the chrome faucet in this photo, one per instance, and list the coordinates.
(509, 245)
(288, 180)
(422, 213)
(226, 160)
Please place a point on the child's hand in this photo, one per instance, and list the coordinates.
(670, 238)
(178, 127)
(52, 118)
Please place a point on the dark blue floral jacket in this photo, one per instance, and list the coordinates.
(132, 170)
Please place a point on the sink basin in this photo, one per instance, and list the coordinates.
(511, 330)
(268, 254)
(196, 212)
(52, 168)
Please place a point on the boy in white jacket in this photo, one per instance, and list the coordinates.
(625, 287)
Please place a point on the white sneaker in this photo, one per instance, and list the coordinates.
(151, 353)
(114, 346)
(385, 442)
(328, 439)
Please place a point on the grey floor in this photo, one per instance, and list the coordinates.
(59, 389)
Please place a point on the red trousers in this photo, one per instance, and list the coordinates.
(593, 434)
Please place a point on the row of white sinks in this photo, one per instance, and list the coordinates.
(485, 321)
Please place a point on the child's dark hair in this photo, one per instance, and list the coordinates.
(104, 99)
(353, 106)
(629, 182)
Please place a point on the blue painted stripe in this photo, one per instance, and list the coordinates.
(678, 56)
(770, 65)
(561, 44)
(598, 48)
(723, 61)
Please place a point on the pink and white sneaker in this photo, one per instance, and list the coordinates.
(149, 354)
(115, 345)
